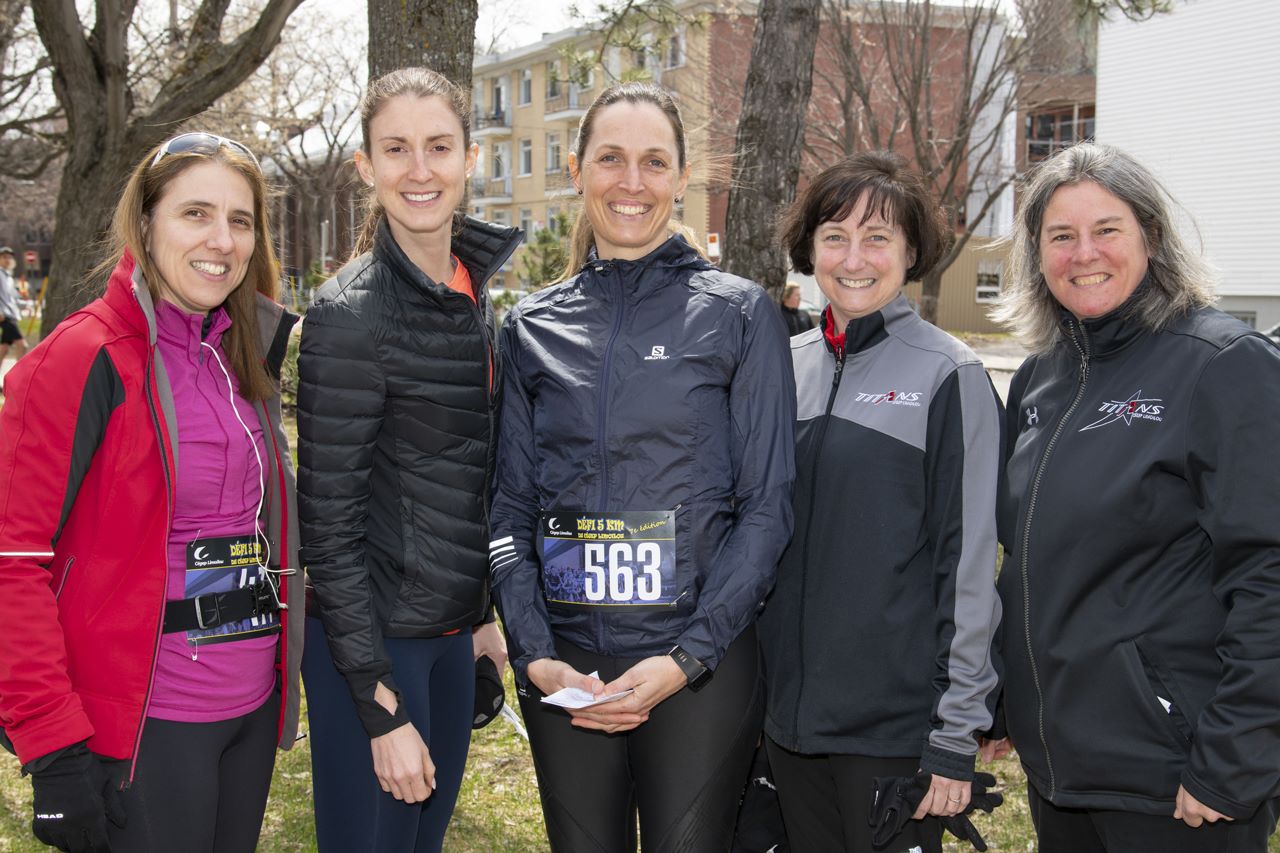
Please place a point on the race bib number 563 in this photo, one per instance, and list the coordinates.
(613, 559)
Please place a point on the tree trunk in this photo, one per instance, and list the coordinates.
(770, 138)
(438, 34)
(930, 288)
(86, 199)
(108, 131)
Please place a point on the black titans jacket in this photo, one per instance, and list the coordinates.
(1141, 580)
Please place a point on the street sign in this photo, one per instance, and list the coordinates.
(30, 258)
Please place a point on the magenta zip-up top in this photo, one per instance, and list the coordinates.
(227, 672)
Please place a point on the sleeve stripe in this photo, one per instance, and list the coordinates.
(505, 540)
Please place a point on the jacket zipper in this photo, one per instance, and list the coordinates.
(602, 421)
(66, 572)
(808, 539)
(148, 379)
(1082, 346)
(285, 571)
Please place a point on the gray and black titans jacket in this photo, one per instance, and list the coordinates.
(1140, 515)
(395, 425)
(877, 637)
(658, 384)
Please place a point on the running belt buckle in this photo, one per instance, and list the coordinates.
(215, 619)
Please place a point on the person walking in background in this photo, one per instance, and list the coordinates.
(643, 495)
(395, 423)
(877, 638)
(1141, 578)
(148, 658)
(797, 319)
(10, 333)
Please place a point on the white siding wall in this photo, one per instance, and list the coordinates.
(1193, 94)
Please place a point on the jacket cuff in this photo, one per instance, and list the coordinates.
(374, 717)
(944, 762)
(1218, 803)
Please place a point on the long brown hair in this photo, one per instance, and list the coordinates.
(582, 238)
(146, 185)
(416, 83)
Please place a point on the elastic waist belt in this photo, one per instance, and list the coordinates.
(218, 608)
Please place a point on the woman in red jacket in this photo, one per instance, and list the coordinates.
(146, 555)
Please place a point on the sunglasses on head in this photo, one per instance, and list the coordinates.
(201, 143)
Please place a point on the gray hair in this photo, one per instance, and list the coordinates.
(1179, 279)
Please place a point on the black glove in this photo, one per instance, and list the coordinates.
(959, 825)
(74, 799)
(897, 798)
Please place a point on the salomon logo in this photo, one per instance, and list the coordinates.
(657, 354)
(1136, 408)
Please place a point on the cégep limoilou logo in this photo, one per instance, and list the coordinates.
(1135, 408)
(893, 398)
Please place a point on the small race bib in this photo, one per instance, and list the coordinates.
(609, 559)
(222, 564)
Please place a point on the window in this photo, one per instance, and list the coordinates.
(526, 87)
(526, 157)
(1051, 131)
(552, 213)
(553, 152)
(526, 221)
(553, 80)
(500, 217)
(499, 161)
(499, 97)
(988, 289)
(675, 51)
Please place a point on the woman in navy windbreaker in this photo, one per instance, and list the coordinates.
(645, 464)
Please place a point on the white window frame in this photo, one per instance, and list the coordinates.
(989, 283)
(558, 148)
(526, 87)
(524, 159)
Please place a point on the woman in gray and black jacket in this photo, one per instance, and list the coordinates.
(876, 640)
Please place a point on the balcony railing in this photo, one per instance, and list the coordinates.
(492, 120)
(570, 99)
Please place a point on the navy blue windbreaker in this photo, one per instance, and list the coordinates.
(655, 384)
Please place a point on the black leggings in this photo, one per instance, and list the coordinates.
(684, 769)
(200, 787)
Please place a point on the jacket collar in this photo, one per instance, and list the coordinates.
(862, 333)
(1100, 337)
(481, 246)
(637, 275)
(128, 296)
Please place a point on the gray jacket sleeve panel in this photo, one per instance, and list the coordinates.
(341, 398)
(762, 402)
(1235, 474)
(963, 460)
(513, 518)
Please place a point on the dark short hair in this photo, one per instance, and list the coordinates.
(893, 190)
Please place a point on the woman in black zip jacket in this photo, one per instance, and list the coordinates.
(1141, 580)
(642, 499)
(395, 422)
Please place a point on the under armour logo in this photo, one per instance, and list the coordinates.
(1033, 416)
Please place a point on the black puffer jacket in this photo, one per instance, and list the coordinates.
(395, 454)
(653, 384)
(1141, 581)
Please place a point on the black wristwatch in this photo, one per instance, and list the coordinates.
(692, 668)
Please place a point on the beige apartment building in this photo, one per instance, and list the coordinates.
(526, 111)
